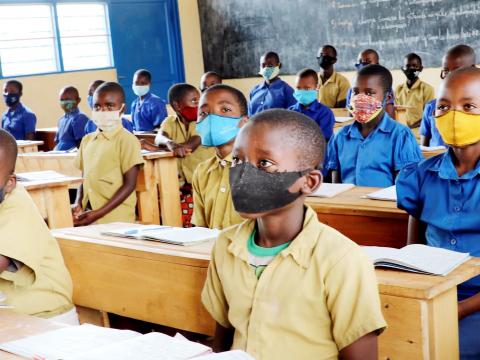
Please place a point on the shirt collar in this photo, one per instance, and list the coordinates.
(415, 85)
(18, 109)
(386, 125)
(330, 79)
(73, 113)
(108, 134)
(276, 84)
(314, 106)
(218, 162)
(446, 169)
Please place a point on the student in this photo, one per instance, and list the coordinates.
(91, 127)
(306, 95)
(110, 160)
(442, 194)
(33, 277)
(18, 120)
(148, 110)
(372, 150)
(282, 285)
(222, 112)
(456, 57)
(273, 92)
(209, 79)
(333, 88)
(71, 126)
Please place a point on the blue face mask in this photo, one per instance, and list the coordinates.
(360, 65)
(305, 97)
(90, 101)
(11, 99)
(216, 130)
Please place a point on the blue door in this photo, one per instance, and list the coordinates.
(146, 34)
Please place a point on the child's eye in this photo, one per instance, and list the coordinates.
(236, 161)
(264, 164)
(369, 93)
(469, 107)
(442, 107)
(226, 109)
(202, 114)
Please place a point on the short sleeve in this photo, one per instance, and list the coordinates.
(343, 88)
(330, 122)
(408, 190)
(79, 159)
(352, 298)
(167, 127)
(30, 122)
(198, 217)
(332, 162)
(79, 125)
(289, 99)
(160, 113)
(127, 124)
(406, 150)
(130, 153)
(426, 125)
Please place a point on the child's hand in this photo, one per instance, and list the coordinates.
(146, 145)
(86, 218)
(178, 149)
(76, 210)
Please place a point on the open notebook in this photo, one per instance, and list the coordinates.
(387, 194)
(166, 234)
(327, 190)
(41, 176)
(417, 258)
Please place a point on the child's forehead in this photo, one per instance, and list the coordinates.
(371, 81)
(11, 87)
(462, 86)
(108, 96)
(219, 96)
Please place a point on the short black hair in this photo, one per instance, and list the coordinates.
(470, 70)
(112, 87)
(144, 73)
(304, 73)
(8, 151)
(15, 83)
(412, 56)
(303, 133)
(237, 94)
(212, 73)
(70, 89)
(381, 72)
(271, 54)
(331, 47)
(371, 51)
(96, 83)
(462, 50)
(178, 91)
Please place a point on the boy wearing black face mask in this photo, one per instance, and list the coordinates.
(414, 93)
(281, 285)
(333, 87)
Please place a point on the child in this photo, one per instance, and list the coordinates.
(18, 120)
(333, 88)
(110, 160)
(91, 127)
(282, 285)
(209, 79)
(372, 150)
(414, 93)
(273, 92)
(148, 110)
(456, 57)
(222, 112)
(71, 126)
(442, 193)
(33, 277)
(306, 95)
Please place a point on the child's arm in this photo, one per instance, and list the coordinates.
(128, 186)
(425, 140)
(179, 150)
(469, 306)
(416, 231)
(335, 176)
(193, 143)
(223, 338)
(77, 206)
(364, 348)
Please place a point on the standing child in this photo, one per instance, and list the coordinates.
(273, 92)
(18, 120)
(372, 150)
(282, 285)
(442, 194)
(71, 126)
(110, 160)
(222, 112)
(209, 79)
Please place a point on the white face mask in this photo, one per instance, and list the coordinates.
(140, 90)
(107, 120)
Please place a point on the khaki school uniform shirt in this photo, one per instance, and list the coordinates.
(177, 132)
(316, 297)
(212, 199)
(104, 157)
(37, 281)
(416, 97)
(334, 90)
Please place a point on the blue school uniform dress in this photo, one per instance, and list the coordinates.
(91, 127)
(19, 122)
(390, 102)
(428, 127)
(71, 129)
(319, 113)
(276, 95)
(149, 113)
(372, 161)
(433, 192)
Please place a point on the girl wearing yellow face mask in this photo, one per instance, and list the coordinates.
(442, 194)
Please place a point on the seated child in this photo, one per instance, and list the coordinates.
(33, 277)
(282, 285)
(209, 79)
(222, 112)
(442, 193)
(273, 92)
(306, 95)
(148, 110)
(18, 120)
(91, 127)
(110, 160)
(71, 126)
(372, 150)
(456, 57)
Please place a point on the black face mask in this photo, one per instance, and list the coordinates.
(326, 61)
(255, 191)
(411, 74)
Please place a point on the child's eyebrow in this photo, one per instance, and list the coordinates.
(225, 102)
(467, 99)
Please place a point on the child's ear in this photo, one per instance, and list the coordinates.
(314, 181)
(122, 109)
(243, 121)
(11, 183)
(421, 68)
(176, 106)
(79, 100)
(279, 65)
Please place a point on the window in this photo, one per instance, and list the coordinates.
(33, 40)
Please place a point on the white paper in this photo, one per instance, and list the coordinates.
(432, 148)
(182, 236)
(327, 190)
(24, 142)
(134, 231)
(387, 194)
(343, 119)
(41, 176)
(228, 355)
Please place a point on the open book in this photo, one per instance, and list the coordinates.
(387, 194)
(417, 258)
(166, 234)
(48, 175)
(327, 190)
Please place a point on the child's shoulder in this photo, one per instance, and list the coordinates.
(424, 166)
(156, 99)
(169, 120)
(204, 166)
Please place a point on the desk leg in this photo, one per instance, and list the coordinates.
(57, 202)
(147, 194)
(169, 191)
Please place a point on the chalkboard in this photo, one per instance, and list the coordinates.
(235, 33)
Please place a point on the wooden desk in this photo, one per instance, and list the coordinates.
(47, 135)
(52, 200)
(365, 221)
(157, 183)
(143, 135)
(338, 125)
(343, 112)
(28, 146)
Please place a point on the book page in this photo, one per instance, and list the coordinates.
(182, 235)
(327, 190)
(387, 194)
(41, 176)
(136, 231)
(375, 253)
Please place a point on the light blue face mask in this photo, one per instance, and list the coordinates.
(305, 97)
(140, 90)
(90, 101)
(216, 130)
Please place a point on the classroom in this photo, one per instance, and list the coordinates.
(238, 180)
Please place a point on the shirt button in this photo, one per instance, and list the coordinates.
(223, 189)
(453, 241)
(457, 209)
(261, 103)
(223, 163)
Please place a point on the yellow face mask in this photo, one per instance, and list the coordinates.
(458, 128)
